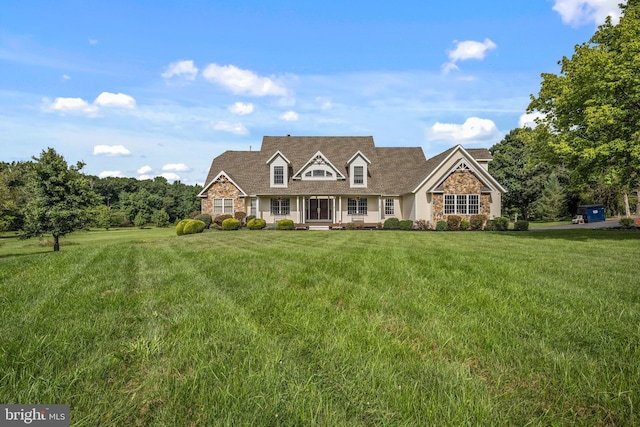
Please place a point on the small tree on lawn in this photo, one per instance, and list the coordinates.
(61, 196)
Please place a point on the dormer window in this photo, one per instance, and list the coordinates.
(278, 175)
(318, 168)
(278, 170)
(358, 169)
(358, 174)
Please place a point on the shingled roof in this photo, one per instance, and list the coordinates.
(393, 170)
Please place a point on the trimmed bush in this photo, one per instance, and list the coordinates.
(206, 218)
(230, 224)
(248, 218)
(350, 226)
(501, 223)
(627, 222)
(180, 227)
(256, 224)
(491, 225)
(521, 225)
(422, 224)
(477, 221)
(406, 224)
(240, 216)
(219, 218)
(391, 224)
(441, 225)
(453, 222)
(464, 224)
(193, 226)
(285, 224)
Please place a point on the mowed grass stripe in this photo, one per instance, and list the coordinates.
(340, 328)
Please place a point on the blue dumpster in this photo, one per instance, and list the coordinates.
(591, 213)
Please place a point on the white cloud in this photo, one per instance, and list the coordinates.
(177, 167)
(243, 81)
(170, 176)
(144, 176)
(528, 119)
(468, 49)
(73, 106)
(66, 77)
(236, 128)
(113, 174)
(580, 12)
(325, 103)
(120, 100)
(110, 150)
(184, 69)
(241, 108)
(474, 128)
(93, 41)
(289, 116)
(144, 169)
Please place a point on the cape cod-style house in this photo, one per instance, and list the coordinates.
(333, 180)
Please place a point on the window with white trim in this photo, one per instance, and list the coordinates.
(358, 174)
(357, 206)
(389, 207)
(222, 206)
(280, 206)
(461, 204)
(278, 175)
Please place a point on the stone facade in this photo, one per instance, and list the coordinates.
(461, 181)
(222, 189)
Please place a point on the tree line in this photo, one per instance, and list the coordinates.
(585, 147)
(49, 196)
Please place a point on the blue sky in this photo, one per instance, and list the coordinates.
(142, 88)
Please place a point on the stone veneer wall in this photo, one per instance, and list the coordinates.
(222, 189)
(461, 182)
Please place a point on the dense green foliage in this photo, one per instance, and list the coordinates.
(60, 198)
(406, 224)
(590, 117)
(285, 224)
(464, 224)
(441, 225)
(230, 224)
(206, 218)
(256, 224)
(180, 226)
(476, 222)
(193, 226)
(408, 329)
(521, 225)
(218, 219)
(391, 224)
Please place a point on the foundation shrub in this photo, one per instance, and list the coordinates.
(285, 224)
(422, 224)
(248, 218)
(230, 224)
(464, 224)
(256, 224)
(453, 222)
(501, 223)
(351, 226)
(521, 225)
(206, 218)
(194, 226)
(219, 218)
(441, 225)
(391, 224)
(180, 227)
(477, 221)
(406, 224)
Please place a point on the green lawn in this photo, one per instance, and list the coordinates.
(140, 327)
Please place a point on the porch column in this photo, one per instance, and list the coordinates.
(304, 209)
(258, 213)
(380, 208)
(340, 208)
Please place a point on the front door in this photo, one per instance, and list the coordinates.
(319, 210)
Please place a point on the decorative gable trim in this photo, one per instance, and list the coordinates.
(318, 158)
(203, 193)
(276, 154)
(358, 153)
(470, 163)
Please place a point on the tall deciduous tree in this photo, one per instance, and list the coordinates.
(61, 196)
(591, 109)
